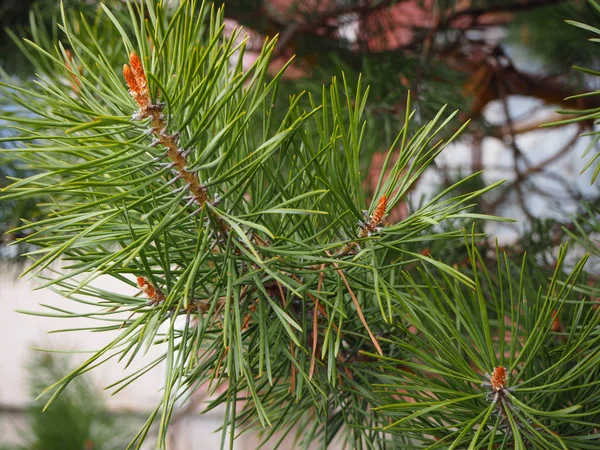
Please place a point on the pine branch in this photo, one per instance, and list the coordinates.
(300, 299)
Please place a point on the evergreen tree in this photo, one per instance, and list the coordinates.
(264, 265)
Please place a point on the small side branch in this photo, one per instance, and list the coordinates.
(369, 227)
(138, 89)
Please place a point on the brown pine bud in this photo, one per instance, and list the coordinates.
(155, 295)
(498, 378)
(138, 70)
(379, 212)
(130, 79)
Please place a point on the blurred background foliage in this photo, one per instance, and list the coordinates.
(78, 420)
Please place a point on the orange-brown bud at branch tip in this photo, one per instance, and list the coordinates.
(372, 224)
(136, 80)
(138, 69)
(498, 378)
(379, 212)
(153, 294)
(130, 79)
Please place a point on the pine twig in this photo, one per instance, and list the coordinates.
(135, 77)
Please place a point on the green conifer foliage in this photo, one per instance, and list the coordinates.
(261, 265)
